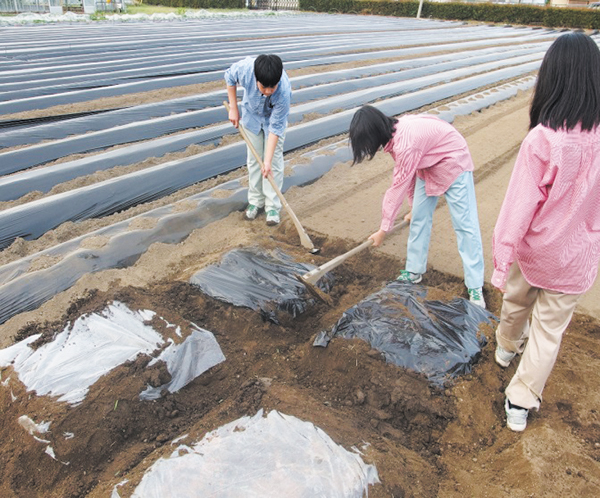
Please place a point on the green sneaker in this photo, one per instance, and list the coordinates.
(272, 217)
(252, 212)
(409, 277)
(476, 296)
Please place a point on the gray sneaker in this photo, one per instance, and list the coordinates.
(272, 217)
(516, 417)
(409, 277)
(504, 357)
(252, 212)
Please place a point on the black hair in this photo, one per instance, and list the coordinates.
(567, 90)
(370, 129)
(268, 69)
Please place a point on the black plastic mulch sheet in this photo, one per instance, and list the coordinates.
(261, 280)
(438, 339)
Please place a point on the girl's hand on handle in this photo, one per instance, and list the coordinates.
(408, 217)
(377, 238)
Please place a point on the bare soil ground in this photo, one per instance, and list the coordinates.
(424, 441)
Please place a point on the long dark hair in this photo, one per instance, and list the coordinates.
(370, 129)
(567, 90)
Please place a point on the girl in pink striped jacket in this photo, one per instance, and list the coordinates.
(431, 159)
(546, 244)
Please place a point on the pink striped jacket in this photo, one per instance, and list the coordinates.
(549, 222)
(426, 146)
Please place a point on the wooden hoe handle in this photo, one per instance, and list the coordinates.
(304, 238)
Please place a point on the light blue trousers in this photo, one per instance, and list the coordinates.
(462, 204)
(260, 191)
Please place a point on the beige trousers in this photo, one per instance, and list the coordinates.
(550, 313)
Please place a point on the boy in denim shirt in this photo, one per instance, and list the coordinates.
(265, 109)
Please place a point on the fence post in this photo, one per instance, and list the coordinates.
(420, 8)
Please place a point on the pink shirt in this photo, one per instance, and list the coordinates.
(549, 222)
(426, 146)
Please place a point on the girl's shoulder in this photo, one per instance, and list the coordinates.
(407, 120)
(545, 142)
(541, 132)
(419, 117)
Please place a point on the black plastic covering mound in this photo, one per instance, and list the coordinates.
(261, 280)
(438, 339)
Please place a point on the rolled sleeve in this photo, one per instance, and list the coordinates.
(499, 278)
(239, 72)
(230, 78)
(278, 124)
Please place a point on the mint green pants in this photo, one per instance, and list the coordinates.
(260, 191)
(462, 204)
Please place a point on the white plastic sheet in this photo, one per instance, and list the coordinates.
(261, 457)
(81, 354)
(71, 17)
(42, 428)
(186, 361)
(31, 427)
(96, 343)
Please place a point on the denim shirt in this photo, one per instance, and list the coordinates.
(257, 111)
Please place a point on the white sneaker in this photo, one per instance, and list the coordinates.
(504, 357)
(516, 418)
(409, 277)
(272, 217)
(252, 212)
(476, 296)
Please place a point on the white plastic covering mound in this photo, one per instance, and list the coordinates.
(260, 457)
(71, 17)
(96, 343)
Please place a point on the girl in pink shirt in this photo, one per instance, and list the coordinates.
(546, 244)
(431, 159)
